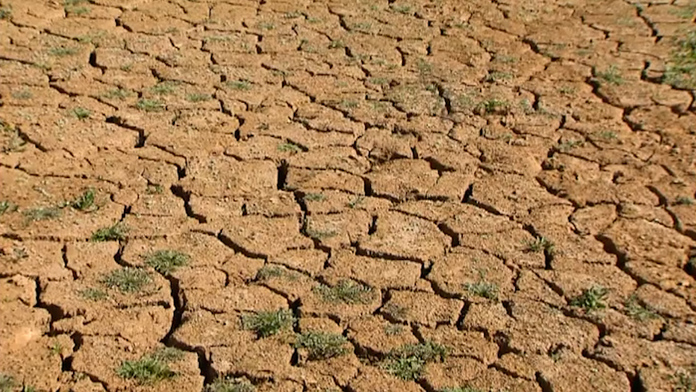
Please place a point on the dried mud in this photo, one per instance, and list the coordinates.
(509, 181)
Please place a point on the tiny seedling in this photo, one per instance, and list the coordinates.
(268, 323)
(166, 261)
(7, 383)
(345, 291)
(230, 385)
(268, 272)
(483, 289)
(540, 244)
(242, 85)
(637, 311)
(41, 214)
(56, 348)
(85, 201)
(322, 345)
(289, 147)
(81, 113)
(163, 88)
(154, 189)
(117, 232)
(408, 361)
(93, 294)
(150, 368)
(612, 75)
(198, 97)
(7, 206)
(684, 200)
(393, 329)
(314, 197)
(356, 202)
(62, 51)
(591, 299)
(149, 105)
(127, 280)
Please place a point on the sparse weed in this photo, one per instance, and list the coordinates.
(540, 244)
(270, 271)
(7, 206)
(337, 44)
(150, 368)
(56, 348)
(608, 135)
(684, 200)
(268, 323)
(266, 26)
(5, 13)
(62, 51)
(16, 142)
(117, 93)
(684, 380)
(568, 90)
(242, 85)
(85, 201)
(7, 383)
(198, 97)
(154, 189)
(289, 147)
(591, 299)
(408, 361)
(612, 75)
(637, 311)
(149, 105)
(117, 232)
(496, 76)
(314, 197)
(483, 289)
(395, 310)
(42, 213)
(127, 280)
(321, 345)
(393, 329)
(166, 261)
(569, 145)
(163, 88)
(230, 385)
(22, 94)
(402, 9)
(378, 81)
(493, 106)
(356, 202)
(93, 294)
(345, 291)
(423, 66)
(348, 104)
(293, 15)
(319, 234)
(681, 70)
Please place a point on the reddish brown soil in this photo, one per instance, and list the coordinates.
(474, 167)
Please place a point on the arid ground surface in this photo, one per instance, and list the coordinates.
(443, 195)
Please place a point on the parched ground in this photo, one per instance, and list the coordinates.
(443, 195)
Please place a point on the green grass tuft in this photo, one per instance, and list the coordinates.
(7, 206)
(242, 85)
(684, 200)
(198, 97)
(345, 291)
(611, 75)
(322, 345)
(637, 311)
(41, 214)
(230, 385)
(591, 299)
(408, 361)
(5, 13)
(149, 105)
(150, 368)
(85, 201)
(681, 70)
(164, 88)
(81, 113)
(166, 261)
(117, 232)
(62, 52)
(127, 280)
(483, 289)
(540, 244)
(7, 383)
(289, 147)
(314, 197)
(268, 323)
(93, 294)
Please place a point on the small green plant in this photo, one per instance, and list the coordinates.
(611, 75)
(608, 135)
(7, 383)
(289, 147)
(198, 97)
(154, 189)
(378, 81)
(7, 206)
(567, 90)
(496, 76)
(56, 348)
(268, 323)
(493, 105)
(22, 94)
(150, 368)
(268, 272)
(637, 311)
(348, 104)
(230, 385)
(5, 14)
(127, 280)
(166, 261)
(423, 66)
(591, 299)
(266, 26)
(314, 197)
(149, 105)
(81, 113)
(293, 15)
(356, 202)
(540, 244)
(408, 361)
(395, 310)
(483, 289)
(62, 51)
(393, 329)
(684, 200)
(681, 70)
(337, 44)
(77, 10)
(345, 291)
(243, 85)
(117, 232)
(85, 201)
(684, 380)
(93, 294)
(569, 145)
(402, 9)
(42, 213)
(15, 143)
(117, 93)
(321, 345)
(164, 88)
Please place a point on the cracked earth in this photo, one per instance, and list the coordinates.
(509, 181)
